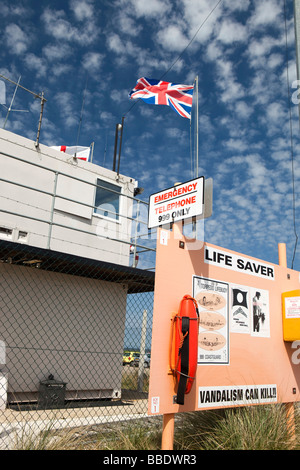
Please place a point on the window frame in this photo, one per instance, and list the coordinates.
(117, 214)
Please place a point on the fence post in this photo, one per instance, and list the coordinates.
(168, 432)
(52, 209)
(142, 352)
(289, 407)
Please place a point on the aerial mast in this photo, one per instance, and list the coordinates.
(297, 42)
(40, 96)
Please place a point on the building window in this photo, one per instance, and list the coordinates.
(107, 202)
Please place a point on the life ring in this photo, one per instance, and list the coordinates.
(184, 346)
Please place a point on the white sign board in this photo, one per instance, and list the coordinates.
(180, 202)
(213, 341)
(223, 259)
(292, 307)
(236, 395)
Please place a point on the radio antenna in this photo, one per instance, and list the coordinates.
(81, 114)
(9, 109)
(40, 96)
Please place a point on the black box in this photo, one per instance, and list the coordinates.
(51, 394)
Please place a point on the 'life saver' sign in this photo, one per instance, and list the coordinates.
(238, 263)
(177, 203)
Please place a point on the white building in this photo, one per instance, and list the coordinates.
(65, 232)
(51, 200)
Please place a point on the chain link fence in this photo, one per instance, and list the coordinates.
(76, 293)
(67, 327)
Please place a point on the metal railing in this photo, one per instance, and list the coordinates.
(132, 241)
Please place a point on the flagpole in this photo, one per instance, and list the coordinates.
(194, 231)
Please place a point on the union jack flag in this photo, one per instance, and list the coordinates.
(179, 97)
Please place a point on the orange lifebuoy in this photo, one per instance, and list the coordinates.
(184, 346)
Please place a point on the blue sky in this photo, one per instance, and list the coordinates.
(237, 48)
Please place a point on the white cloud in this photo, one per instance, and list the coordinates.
(276, 113)
(92, 61)
(214, 51)
(65, 106)
(231, 31)
(60, 69)
(257, 172)
(260, 48)
(145, 61)
(201, 13)
(16, 39)
(108, 119)
(233, 90)
(229, 88)
(266, 87)
(36, 64)
(55, 52)
(266, 13)
(274, 60)
(172, 38)
(237, 5)
(240, 200)
(119, 95)
(148, 8)
(58, 57)
(243, 109)
(15, 10)
(83, 9)
(253, 196)
(237, 144)
(116, 44)
(58, 26)
(128, 25)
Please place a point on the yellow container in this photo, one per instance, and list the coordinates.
(291, 315)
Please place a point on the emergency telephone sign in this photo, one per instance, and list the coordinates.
(177, 203)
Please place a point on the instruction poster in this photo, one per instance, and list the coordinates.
(260, 313)
(292, 307)
(240, 309)
(213, 341)
(249, 311)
